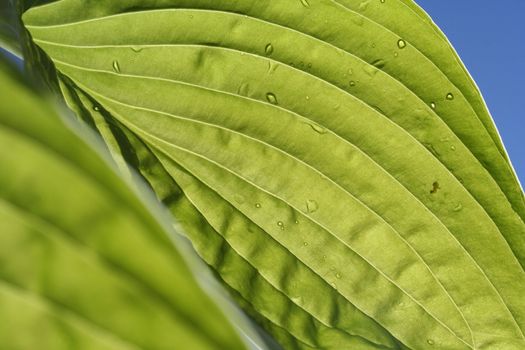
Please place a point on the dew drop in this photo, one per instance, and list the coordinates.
(430, 342)
(305, 3)
(305, 244)
(450, 96)
(379, 63)
(453, 147)
(136, 48)
(396, 54)
(96, 108)
(271, 98)
(280, 224)
(257, 205)
(272, 67)
(318, 128)
(458, 207)
(311, 206)
(338, 275)
(432, 105)
(268, 49)
(116, 67)
(297, 221)
(382, 1)
(307, 97)
(352, 83)
(401, 43)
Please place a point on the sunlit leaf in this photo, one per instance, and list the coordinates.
(331, 160)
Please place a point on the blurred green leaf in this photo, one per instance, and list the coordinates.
(83, 263)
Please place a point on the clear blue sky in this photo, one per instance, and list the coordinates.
(489, 36)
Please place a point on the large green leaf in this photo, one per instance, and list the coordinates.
(331, 160)
(83, 263)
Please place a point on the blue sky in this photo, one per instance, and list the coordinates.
(490, 39)
(489, 36)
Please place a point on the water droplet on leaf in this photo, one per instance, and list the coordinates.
(271, 98)
(450, 96)
(318, 128)
(311, 206)
(352, 83)
(257, 205)
(458, 207)
(379, 63)
(305, 3)
(272, 66)
(268, 49)
(432, 105)
(401, 43)
(430, 342)
(280, 224)
(116, 66)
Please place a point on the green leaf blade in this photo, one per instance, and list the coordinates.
(383, 156)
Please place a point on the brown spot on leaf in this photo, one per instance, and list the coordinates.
(435, 187)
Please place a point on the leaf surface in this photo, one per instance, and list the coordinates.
(331, 160)
(83, 263)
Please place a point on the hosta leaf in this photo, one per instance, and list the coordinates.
(331, 160)
(83, 263)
